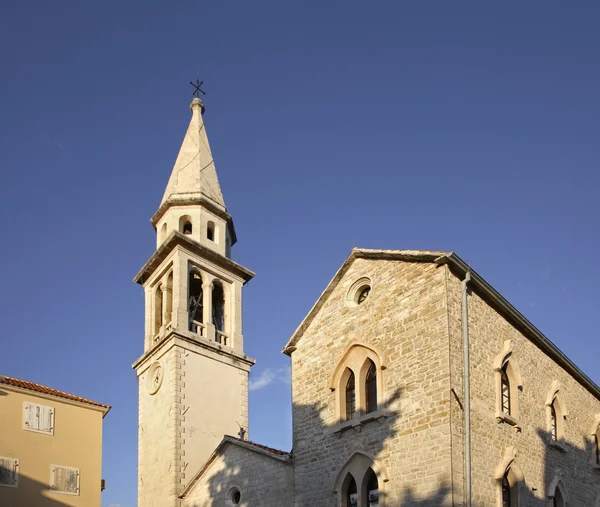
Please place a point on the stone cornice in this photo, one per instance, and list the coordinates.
(216, 350)
(178, 239)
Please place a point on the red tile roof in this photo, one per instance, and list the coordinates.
(39, 388)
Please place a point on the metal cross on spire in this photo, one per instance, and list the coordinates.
(197, 85)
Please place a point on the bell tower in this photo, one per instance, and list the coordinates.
(193, 374)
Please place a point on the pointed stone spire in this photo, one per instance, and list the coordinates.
(194, 176)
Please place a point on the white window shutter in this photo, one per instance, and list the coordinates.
(38, 418)
(30, 416)
(65, 479)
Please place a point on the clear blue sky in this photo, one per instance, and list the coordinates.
(470, 127)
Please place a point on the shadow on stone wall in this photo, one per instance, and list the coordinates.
(322, 469)
(29, 493)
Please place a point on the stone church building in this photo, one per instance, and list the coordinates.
(414, 382)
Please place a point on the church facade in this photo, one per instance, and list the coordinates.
(414, 382)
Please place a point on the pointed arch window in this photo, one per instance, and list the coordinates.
(508, 385)
(505, 390)
(351, 493)
(371, 388)
(169, 301)
(558, 500)
(218, 308)
(553, 422)
(158, 310)
(195, 302)
(372, 489)
(556, 413)
(506, 491)
(350, 397)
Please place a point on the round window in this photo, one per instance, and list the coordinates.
(234, 497)
(363, 294)
(358, 292)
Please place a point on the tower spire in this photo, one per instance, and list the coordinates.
(194, 177)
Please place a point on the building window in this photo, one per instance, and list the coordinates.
(351, 494)
(218, 307)
(372, 490)
(169, 301)
(358, 292)
(350, 397)
(553, 424)
(556, 413)
(210, 231)
(185, 225)
(9, 472)
(158, 310)
(558, 493)
(371, 388)
(64, 479)
(505, 387)
(505, 491)
(195, 302)
(39, 418)
(360, 367)
(508, 385)
(361, 481)
(234, 497)
(363, 294)
(163, 232)
(558, 499)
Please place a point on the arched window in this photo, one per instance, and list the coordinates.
(371, 388)
(169, 295)
(506, 491)
(558, 500)
(185, 224)
(351, 493)
(195, 301)
(556, 413)
(363, 477)
(505, 388)
(163, 232)
(510, 489)
(210, 231)
(553, 422)
(350, 397)
(158, 311)
(508, 384)
(372, 489)
(557, 492)
(218, 307)
(366, 364)
(509, 477)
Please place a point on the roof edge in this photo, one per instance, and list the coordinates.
(491, 295)
(58, 395)
(228, 439)
(365, 253)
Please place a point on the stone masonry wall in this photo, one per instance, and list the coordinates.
(159, 435)
(539, 461)
(406, 318)
(262, 481)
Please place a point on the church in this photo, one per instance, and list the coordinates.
(414, 382)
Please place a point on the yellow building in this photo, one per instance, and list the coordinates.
(50, 446)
